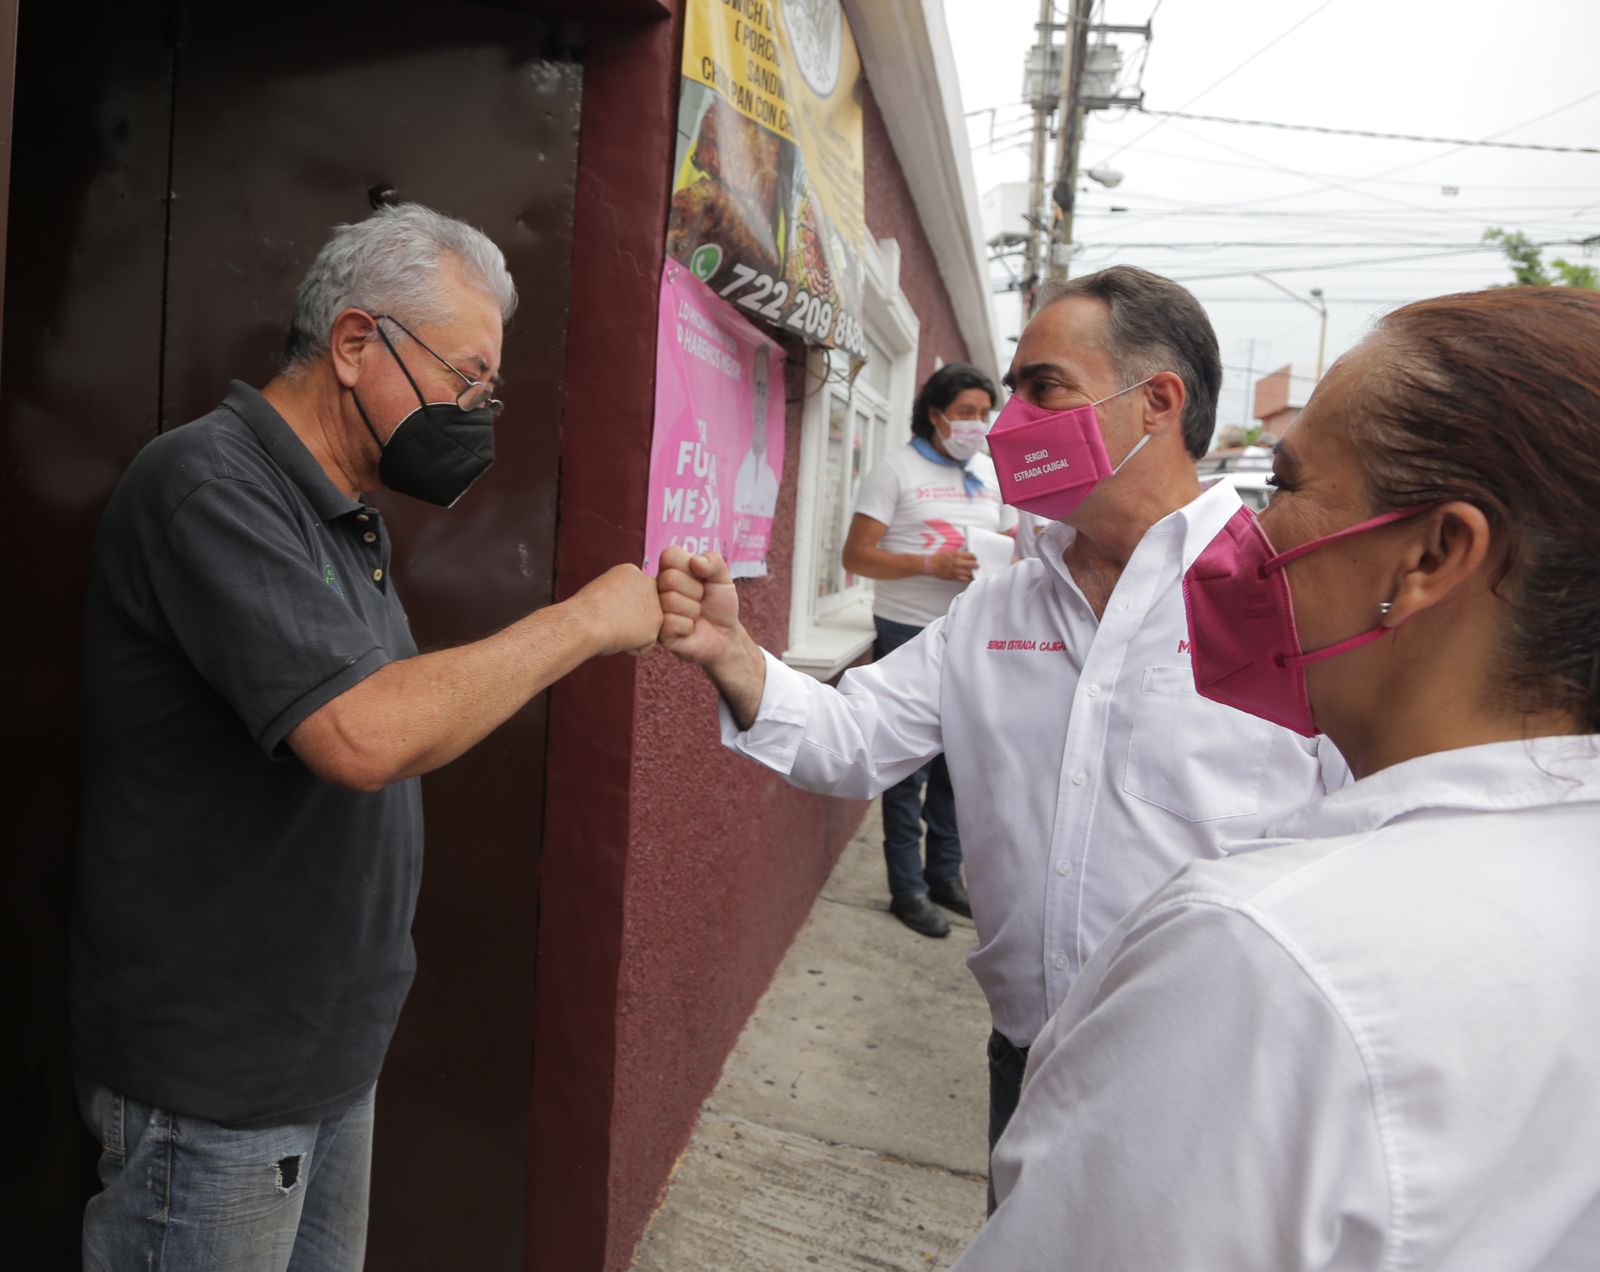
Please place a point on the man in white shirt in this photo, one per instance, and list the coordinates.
(1086, 767)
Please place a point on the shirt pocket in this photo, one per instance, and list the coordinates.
(1193, 757)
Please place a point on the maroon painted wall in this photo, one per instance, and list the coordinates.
(892, 213)
(724, 864)
(725, 859)
(625, 143)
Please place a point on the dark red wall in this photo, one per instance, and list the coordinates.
(891, 213)
(625, 144)
(725, 859)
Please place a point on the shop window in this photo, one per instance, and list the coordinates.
(853, 416)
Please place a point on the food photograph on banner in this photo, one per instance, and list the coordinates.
(767, 203)
(716, 455)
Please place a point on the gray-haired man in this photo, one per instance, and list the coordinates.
(256, 717)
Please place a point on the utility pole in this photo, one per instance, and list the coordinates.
(1319, 303)
(1249, 385)
(1037, 85)
(1322, 332)
(1088, 82)
(1072, 117)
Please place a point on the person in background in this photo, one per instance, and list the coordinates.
(256, 720)
(909, 534)
(1370, 1039)
(1086, 766)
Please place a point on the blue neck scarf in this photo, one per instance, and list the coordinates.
(970, 479)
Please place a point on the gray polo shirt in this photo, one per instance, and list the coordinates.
(241, 938)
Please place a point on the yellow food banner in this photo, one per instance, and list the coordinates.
(767, 201)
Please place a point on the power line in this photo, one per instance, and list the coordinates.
(1227, 210)
(1363, 132)
(1589, 188)
(1375, 176)
(1373, 195)
(1382, 260)
(1285, 300)
(1256, 371)
(1517, 127)
(1278, 39)
(1270, 243)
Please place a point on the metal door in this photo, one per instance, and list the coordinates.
(174, 175)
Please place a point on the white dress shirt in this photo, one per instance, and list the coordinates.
(1372, 1043)
(1086, 768)
(755, 486)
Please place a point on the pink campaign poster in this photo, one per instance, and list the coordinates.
(716, 457)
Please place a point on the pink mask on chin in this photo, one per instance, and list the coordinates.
(1242, 636)
(1049, 461)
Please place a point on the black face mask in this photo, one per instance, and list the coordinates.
(438, 450)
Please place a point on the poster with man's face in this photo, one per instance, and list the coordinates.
(716, 454)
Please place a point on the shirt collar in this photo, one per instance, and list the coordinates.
(1492, 777)
(1199, 521)
(1204, 516)
(972, 483)
(286, 450)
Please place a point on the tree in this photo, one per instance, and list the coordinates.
(1528, 267)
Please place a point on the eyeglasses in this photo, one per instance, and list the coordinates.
(474, 396)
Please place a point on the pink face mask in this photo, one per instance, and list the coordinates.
(1242, 636)
(1049, 461)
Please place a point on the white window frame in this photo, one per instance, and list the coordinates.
(827, 634)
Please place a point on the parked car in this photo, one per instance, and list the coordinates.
(1245, 468)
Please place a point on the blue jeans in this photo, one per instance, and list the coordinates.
(181, 1194)
(906, 809)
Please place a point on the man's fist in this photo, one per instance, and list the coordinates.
(699, 606)
(700, 624)
(622, 607)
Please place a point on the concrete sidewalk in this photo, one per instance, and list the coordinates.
(848, 1130)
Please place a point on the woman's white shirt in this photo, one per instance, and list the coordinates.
(926, 508)
(1370, 1040)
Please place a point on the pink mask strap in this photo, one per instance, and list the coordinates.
(1366, 637)
(1343, 647)
(1388, 518)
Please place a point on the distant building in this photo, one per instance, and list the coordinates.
(1280, 397)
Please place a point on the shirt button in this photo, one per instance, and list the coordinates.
(1093, 691)
(371, 536)
(377, 576)
(361, 516)
(1064, 869)
(1060, 959)
(1079, 778)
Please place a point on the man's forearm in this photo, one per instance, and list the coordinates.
(419, 713)
(740, 676)
(879, 563)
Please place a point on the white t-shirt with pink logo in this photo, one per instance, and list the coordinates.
(927, 509)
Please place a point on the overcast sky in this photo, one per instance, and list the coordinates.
(1471, 69)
